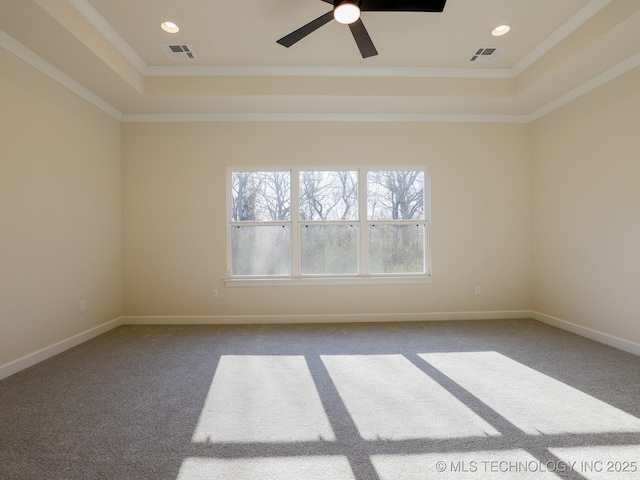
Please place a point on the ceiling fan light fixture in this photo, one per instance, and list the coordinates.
(346, 11)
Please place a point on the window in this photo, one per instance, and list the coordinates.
(329, 225)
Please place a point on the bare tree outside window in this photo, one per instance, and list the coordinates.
(328, 195)
(327, 234)
(258, 246)
(276, 196)
(396, 195)
(261, 196)
(243, 198)
(328, 247)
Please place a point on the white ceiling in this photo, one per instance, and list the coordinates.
(109, 51)
(244, 32)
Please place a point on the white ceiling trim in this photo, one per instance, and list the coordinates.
(323, 117)
(22, 52)
(577, 20)
(105, 28)
(272, 71)
(31, 58)
(620, 69)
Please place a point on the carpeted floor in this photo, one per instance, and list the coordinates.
(503, 399)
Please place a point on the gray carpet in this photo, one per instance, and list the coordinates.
(503, 399)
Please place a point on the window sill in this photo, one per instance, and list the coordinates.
(318, 281)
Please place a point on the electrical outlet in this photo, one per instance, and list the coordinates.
(83, 306)
(478, 291)
(214, 294)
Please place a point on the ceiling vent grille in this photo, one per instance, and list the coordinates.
(485, 55)
(178, 52)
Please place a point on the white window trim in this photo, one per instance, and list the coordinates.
(296, 279)
(328, 280)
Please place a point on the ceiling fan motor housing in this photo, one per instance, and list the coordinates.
(359, 32)
(337, 3)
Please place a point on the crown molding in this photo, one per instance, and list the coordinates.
(577, 20)
(22, 52)
(93, 16)
(620, 69)
(39, 63)
(327, 71)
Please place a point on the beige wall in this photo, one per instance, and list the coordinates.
(174, 214)
(65, 237)
(60, 212)
(586, 204)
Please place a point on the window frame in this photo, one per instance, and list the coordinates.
(363, 225)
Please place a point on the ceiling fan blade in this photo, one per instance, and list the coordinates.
(302, 32)
(362, 38)
(402, 5)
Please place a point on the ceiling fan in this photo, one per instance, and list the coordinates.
(348, 12)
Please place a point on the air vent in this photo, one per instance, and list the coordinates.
(485, 55)
(178, 52)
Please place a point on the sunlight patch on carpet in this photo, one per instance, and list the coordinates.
(262, 399)
(480, 465)
(535, 403)
(604, 462)
(282, 468)
(389, 398)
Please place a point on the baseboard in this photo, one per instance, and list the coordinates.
(611, 340)
(29, 360)
(52, 350)
(322, 318)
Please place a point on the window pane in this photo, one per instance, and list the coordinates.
(328, 195)
(396, 249)
(260, 196)
(261, 250)
(328, 249)
(395, 195)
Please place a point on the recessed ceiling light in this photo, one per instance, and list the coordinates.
(169, 27)
(501, 30)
